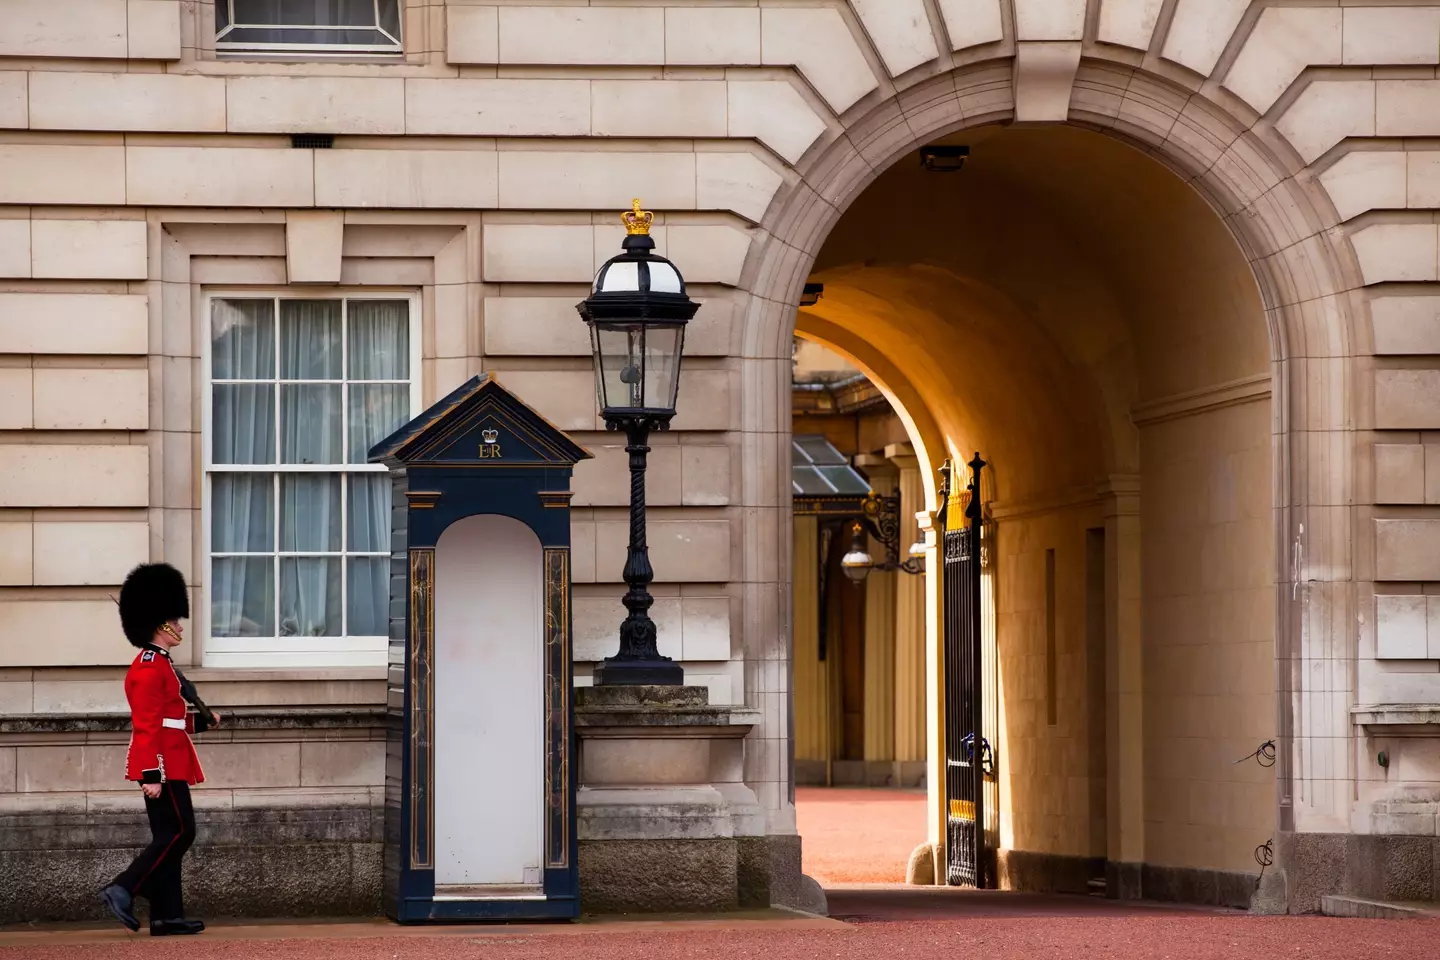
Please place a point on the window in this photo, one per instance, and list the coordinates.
(339, 26)
(298, 523)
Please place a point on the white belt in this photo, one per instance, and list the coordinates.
(174, 724)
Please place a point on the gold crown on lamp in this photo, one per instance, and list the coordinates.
(637, 222)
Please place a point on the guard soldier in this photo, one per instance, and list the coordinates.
(161, 758)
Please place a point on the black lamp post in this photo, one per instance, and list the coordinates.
(637, 311)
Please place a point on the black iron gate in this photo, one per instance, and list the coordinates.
(967, 753)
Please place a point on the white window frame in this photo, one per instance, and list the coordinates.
(326, 49)
(289, 652)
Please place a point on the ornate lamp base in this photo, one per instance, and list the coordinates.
(614, 672)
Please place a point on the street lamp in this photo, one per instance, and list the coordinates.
(637, 311)
(882, 519)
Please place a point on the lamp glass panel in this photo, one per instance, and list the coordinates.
(637, 365)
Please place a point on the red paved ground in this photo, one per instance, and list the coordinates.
(858, 836)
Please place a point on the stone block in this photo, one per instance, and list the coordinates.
(1284, 42)
(219, 176)
(657, 108)
(96, 553)
(659, 876)
(91, 323)
(737, 182)
(1400, 628)
(704, 399)
(313, 243)
(565, 397)
(711, 253)
(538, 253)
(252, 764)
(1407, 399)
(168, 102)
(342, 763)
(472, 34)
(1422, 179)
(1129, 23)
(1044, 80)
(456, 179)
(597, 624)
(1406, 108)
(1407, 550)
(1390, 867)
(597, 181)
(623, 762)
(581, 36)
(92, 399)
(817, 41)
(1406, 325)
(1199, 31)
(1326, 112)
(76, 632)
(972, 22)
(605, 480)
(773, 112)
(64, 475)
(79, 696)
(682, 551)
(1049, 20)
(712, 36)
(36, 173)
(535, 326)
(1399, 473)
(88, 249)
(1391, 36)
(17, 398)
(706, 475)
(76, 28)
(154, 29)
(705, 628)
(16, 554)
(346, 105)
(15, 248)
(1397, 252)
(1366, 180)
(900, 31)
(1432, 473)
(14, 100)
(498, 108)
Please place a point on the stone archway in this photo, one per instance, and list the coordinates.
(1248, 178)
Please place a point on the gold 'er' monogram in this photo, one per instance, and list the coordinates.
(490, 447)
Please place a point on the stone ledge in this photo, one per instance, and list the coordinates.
(1339, 906)
(235, 718)
(1398, 719)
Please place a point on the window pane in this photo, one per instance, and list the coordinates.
(310, 340)
(369, 596)
(376, 411)
(349, 13)
(309, 36)
(242, 595)
(369, 513)
(390, 17)
(309, 596)
(242, 513)
(379, 339)
(310, 423)
(242, 419)
(309, 512)
(242, 339)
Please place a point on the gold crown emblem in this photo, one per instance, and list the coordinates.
(490, 436)
(637, 222)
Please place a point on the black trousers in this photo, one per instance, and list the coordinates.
(155, 874)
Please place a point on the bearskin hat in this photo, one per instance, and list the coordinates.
(153, 594)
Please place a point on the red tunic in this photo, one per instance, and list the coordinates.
(160, 747)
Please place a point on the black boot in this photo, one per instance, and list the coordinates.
(119, 902)
(175, 928)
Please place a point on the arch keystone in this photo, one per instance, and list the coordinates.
(1044, 79)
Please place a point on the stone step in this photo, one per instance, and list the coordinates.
(1338, 906)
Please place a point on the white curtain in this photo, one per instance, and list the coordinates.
(250, 510)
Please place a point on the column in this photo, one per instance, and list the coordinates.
(812, 732)
(1124, 690)
(880, 590)
(910, 653)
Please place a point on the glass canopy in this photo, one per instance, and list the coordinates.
(819, 470)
